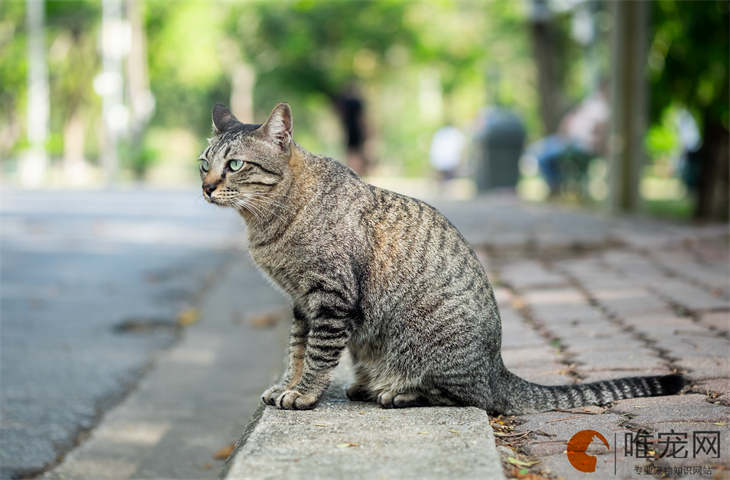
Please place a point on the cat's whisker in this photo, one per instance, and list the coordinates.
(265, 199)
(264, 204)
(255, 211)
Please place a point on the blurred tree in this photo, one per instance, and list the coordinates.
(688, 67)
(13, 74)
(314, 51)
(73, 62)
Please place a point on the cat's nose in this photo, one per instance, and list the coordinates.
(209, 187)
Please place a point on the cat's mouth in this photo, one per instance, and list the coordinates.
(216, 200)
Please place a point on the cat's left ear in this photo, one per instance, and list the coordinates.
(223, 119)
(278, 127)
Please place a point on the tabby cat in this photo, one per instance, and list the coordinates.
(385, 275)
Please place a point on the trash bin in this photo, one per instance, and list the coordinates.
(499, 145)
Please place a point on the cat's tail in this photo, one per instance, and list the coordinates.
(522, 396)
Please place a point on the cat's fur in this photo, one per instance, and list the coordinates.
(385, 275)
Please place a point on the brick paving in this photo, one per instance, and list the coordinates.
(639, 298)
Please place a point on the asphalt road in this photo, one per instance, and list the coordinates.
(90, 288)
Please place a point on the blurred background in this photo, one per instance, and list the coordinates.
(108, 251)
(622, 105)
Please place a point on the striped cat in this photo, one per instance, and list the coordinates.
(385, 275)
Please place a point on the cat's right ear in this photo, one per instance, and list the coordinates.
(278, 126)
(223, 119)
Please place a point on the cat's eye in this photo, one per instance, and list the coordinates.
(235, 165)
(204, 165)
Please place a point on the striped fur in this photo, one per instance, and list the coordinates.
(385, 275)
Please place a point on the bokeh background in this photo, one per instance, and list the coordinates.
(117, 92)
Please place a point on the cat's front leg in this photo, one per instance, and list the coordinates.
(295, 366)
(328, 335)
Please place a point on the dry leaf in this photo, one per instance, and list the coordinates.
(522, 463)
(320, 425)
(264, 320)
(530, 476)
(224, 452)
(453, 431)
(187, 317)
(347, 445)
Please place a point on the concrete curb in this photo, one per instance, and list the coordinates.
(343, 439)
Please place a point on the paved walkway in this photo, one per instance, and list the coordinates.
(585, 298)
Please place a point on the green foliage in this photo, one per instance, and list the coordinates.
(688, 58)
(13, 72)
(661, 139)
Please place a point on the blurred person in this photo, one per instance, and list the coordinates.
(351, 107)
(447, 145)
(563, 157)
(587, 124)
(689, 161)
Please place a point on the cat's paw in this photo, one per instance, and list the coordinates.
(293, 400)
(358, 393)
(272, 393)
(388, 399)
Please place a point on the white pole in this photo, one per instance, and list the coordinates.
(110, 83)
(34, 162)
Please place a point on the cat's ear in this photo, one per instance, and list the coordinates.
(278, 127)
(223, 119)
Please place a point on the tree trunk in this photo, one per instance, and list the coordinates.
(543, 47)
(628, 103)
(712, 191)
(75, 168)
(243, 78)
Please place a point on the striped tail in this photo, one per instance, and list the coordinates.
(528, 397)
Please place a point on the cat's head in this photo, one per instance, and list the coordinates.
(245, 163)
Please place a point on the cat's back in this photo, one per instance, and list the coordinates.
(415, 250)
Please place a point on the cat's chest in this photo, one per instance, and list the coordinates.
(280, 268)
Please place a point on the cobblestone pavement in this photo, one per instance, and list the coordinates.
(639, 298)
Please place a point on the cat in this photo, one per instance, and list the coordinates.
(385, 275)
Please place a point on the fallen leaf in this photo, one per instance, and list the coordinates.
(320, 425)
(224, 452)
(720, 424)
(347, 445)
(423, 433)
(513, 434)
(522, 463)
(453, 431)
(264, 320)
(187, 317)
(558, 419)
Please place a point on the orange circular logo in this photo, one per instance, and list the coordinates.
(577, 446)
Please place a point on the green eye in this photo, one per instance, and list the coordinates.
(235, 164)
(204, 165)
